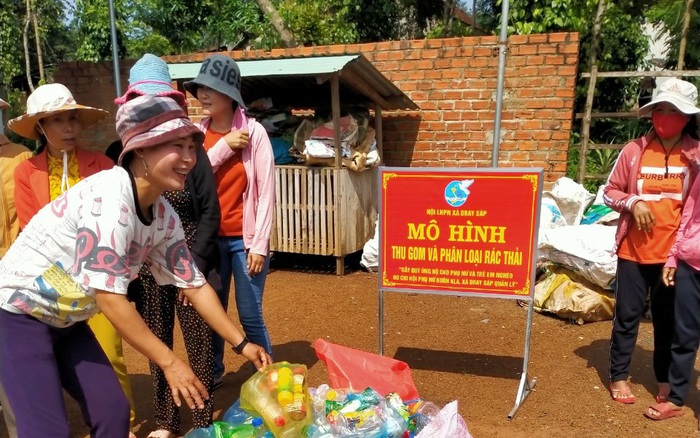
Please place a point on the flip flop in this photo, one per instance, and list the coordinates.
(623, 395)
(664, 411)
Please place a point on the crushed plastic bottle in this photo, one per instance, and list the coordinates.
(235, 415)
(200, 433)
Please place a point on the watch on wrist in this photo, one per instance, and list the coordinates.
(239, 348)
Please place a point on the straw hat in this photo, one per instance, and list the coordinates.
(48, 100)
(681, 94)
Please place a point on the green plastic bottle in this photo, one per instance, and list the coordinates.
(226, 430)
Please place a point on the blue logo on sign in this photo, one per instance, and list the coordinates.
(457, 192)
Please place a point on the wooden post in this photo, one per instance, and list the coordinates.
(338, 237)
(593, 62)
(586, 127)
(335, 106)
(378, 131)
(684, 34)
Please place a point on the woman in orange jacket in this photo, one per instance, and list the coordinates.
(56, 121)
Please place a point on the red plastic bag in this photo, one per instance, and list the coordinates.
(356, 369)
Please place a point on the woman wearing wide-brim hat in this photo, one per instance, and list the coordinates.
(649, 185)
(56, 120)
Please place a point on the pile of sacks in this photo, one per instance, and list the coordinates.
(575, 254)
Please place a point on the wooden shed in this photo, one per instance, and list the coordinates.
(327, 211)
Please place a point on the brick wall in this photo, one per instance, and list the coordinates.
(454, 83)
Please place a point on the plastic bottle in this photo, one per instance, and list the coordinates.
(235, 415)
(225, 430)
(285, 385)
(297, 408)
(200, 433)
(424, 413)
(260, 429)
(259, 397)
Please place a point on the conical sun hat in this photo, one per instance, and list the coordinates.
(48, 100)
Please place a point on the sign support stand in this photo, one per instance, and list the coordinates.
(526, 386)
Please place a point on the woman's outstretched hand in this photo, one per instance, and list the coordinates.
(183, 383)
(257, 355)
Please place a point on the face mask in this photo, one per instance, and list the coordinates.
(668, 125)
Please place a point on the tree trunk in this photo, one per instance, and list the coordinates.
(39, 53)
(448, 14)
(588, 108)
(684, 34)
(25, 41)
(277, 22)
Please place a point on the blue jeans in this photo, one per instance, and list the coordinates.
(249, 296)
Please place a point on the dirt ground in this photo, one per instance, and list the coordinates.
(465, 349)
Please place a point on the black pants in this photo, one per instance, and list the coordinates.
(687, 332)
(634, 282)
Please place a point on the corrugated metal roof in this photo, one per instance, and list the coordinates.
(302, 83)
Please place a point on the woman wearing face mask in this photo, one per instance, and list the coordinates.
(56, 121)
(648, 186)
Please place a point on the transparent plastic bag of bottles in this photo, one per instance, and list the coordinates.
(280, 395)
(348, 414)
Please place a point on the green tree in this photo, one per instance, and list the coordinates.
(668, 15)
(317, 22)
(10, 52)
(92, 25)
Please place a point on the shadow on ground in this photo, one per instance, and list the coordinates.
(486, 365)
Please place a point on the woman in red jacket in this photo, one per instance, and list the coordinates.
(56, 121)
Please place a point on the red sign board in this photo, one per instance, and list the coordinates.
(459, 231)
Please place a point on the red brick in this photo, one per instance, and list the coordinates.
(532, 125)
(483, 52)
(537, 38)
(554, 60)
(527, 50)
(535, 60)
(518, 39)
(559, 37)
(381, 56)
(568, 48)
(466, 52)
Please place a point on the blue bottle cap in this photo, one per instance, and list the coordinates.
(257, 422)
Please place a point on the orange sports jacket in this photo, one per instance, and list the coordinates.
(32, 180)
